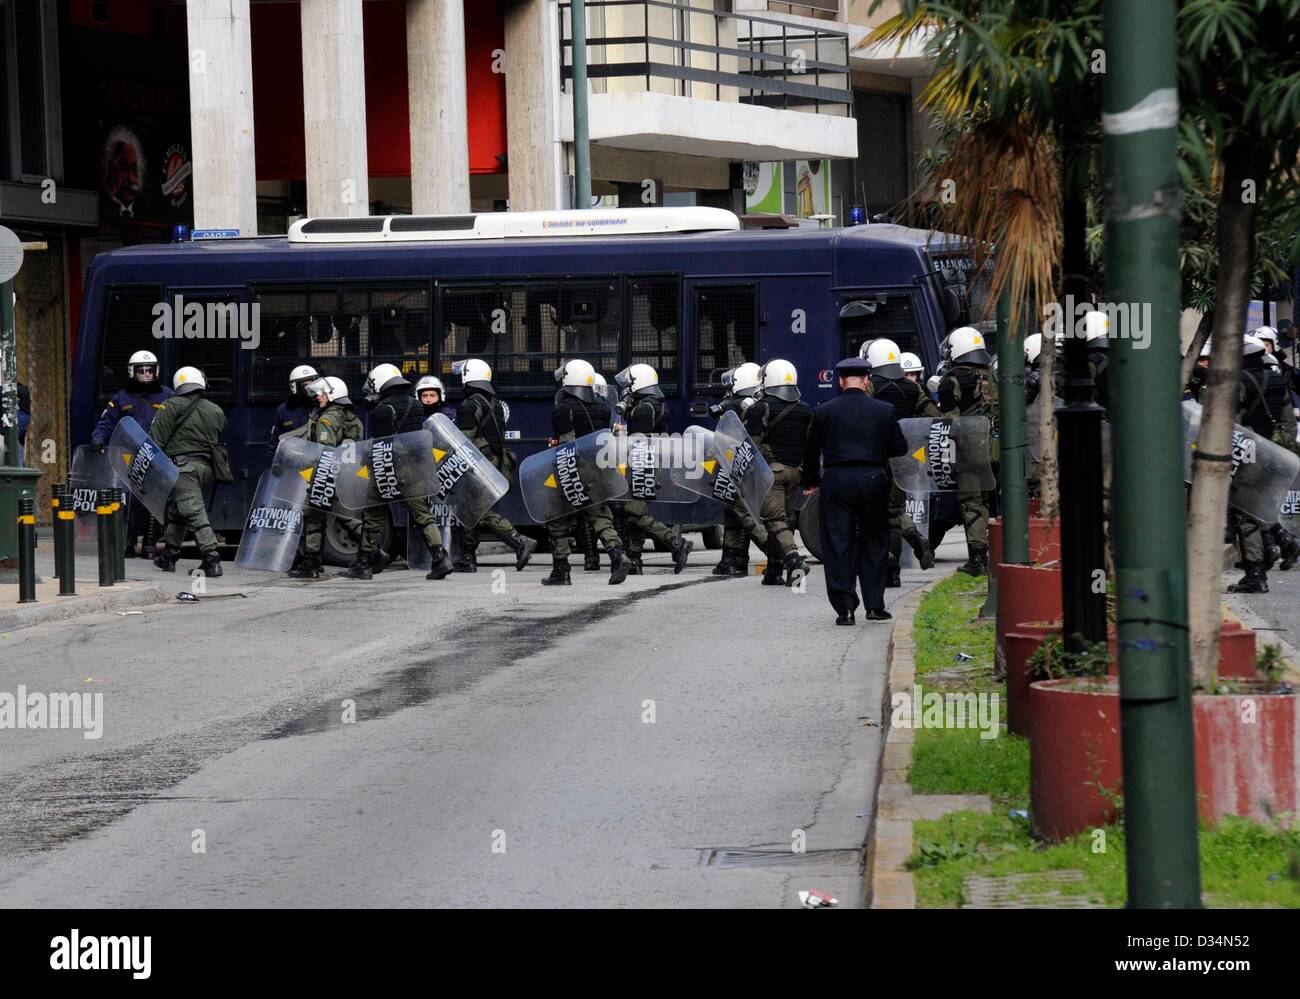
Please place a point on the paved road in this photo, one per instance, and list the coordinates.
(1275, 614)
(502, 752)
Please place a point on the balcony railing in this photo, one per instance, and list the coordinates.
(662, 47)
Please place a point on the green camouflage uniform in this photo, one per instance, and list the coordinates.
(330, 426)
(187, 427)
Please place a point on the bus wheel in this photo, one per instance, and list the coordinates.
(343, 537)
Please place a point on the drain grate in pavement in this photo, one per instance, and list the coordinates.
(725, 857)
(1027, 891)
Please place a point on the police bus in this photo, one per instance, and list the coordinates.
(686, 290)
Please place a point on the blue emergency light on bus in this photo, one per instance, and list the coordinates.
(684, 289)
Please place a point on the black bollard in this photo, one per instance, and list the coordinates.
(65, 540)
(119, 536)
(26, 550)
(104, 535)
(56, 493)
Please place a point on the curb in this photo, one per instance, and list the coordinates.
(889, 884)
(55, 610)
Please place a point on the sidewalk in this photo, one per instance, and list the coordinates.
(90, 598)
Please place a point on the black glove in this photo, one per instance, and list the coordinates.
(98, 448)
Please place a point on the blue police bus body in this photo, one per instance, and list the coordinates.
(693, 304)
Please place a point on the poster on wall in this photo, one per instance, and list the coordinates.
(764, 184)
(812, 188)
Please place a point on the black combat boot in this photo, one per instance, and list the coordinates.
(723, 568)
(441, 563)
(773, 572)
(380, 560)
(920, 547)
(466, 561)
(308, 568)
(635, 568)
(587, 538)
(210, 564)
(796, 567)
(523, 547)
(1255, 580)
(360, 568)
(895, 577)
(130, 551)
(152, 532)
(978, 563)
(1288, 547)
(681, 552)
(166, 559)
(620, 564)
(559, 572)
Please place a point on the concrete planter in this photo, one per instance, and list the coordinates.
(1025, 593)
(1044, 541)
(1247, 747)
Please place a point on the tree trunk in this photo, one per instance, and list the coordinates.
(1202, 334)
(1049, 491)
(1220, 403)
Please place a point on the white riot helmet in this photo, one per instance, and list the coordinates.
(911, 364)
(300, 376)
(338, 391)
(1272, 361)
(143, 358)
(577, 378)
(1096, 329)
(188, 380)
(1033, 347)
(743, 380)
(381, 377)
(1252, 345)
(639, 379)
(1269, 336)
(781, 379)
(430, 382)
(474, 373)
(932, 384)
(599, 386)
(968, 346)
(885, 358)
(318, 387)
(1205, 349)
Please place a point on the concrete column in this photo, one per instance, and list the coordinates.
(221, 115)
(435, 69)
(334, 108)
(538, 179)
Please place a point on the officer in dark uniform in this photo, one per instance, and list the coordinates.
(396, 411)
(482, 418)
(188, 428)
(579, 412)
(849, 446)
(297, 408)
(1096, 327)
(890, 384)
(141, 399)
(1265, 409)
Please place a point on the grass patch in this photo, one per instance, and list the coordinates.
(1242, 864)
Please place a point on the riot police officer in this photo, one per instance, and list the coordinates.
(187, 428)
(395, 410)
(969, 389)
(850, 442)
(295, 410)
(141, 399)
(482, 417)
(1265, 409)
(890, 384)
(1033, 376)
(1096, 330)
(578, 412)
(333, 422)
(738, 524)
(429, 390)
(645, 413)
(778, 422)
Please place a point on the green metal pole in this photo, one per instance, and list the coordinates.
(9, 372)
(1139, 124)
(1011, 404)
(581, 140)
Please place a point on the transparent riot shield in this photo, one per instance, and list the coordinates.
(299, 465)
(733, 469)
(917, 507)
(386, 470)
(1033, 439)
(417, 552)
(275, 524)
(649, 461)
(140, 465)
(1263, 473)
(944, 455)
(572, 477)
(1290, 513)
(465, 478)
(90, 472)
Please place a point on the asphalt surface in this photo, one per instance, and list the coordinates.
(1275, 615)
(502, 753)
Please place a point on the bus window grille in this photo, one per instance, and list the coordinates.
(894, 319)
(726, 332)
(654, 327)
(127, 328)
(216, 356)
